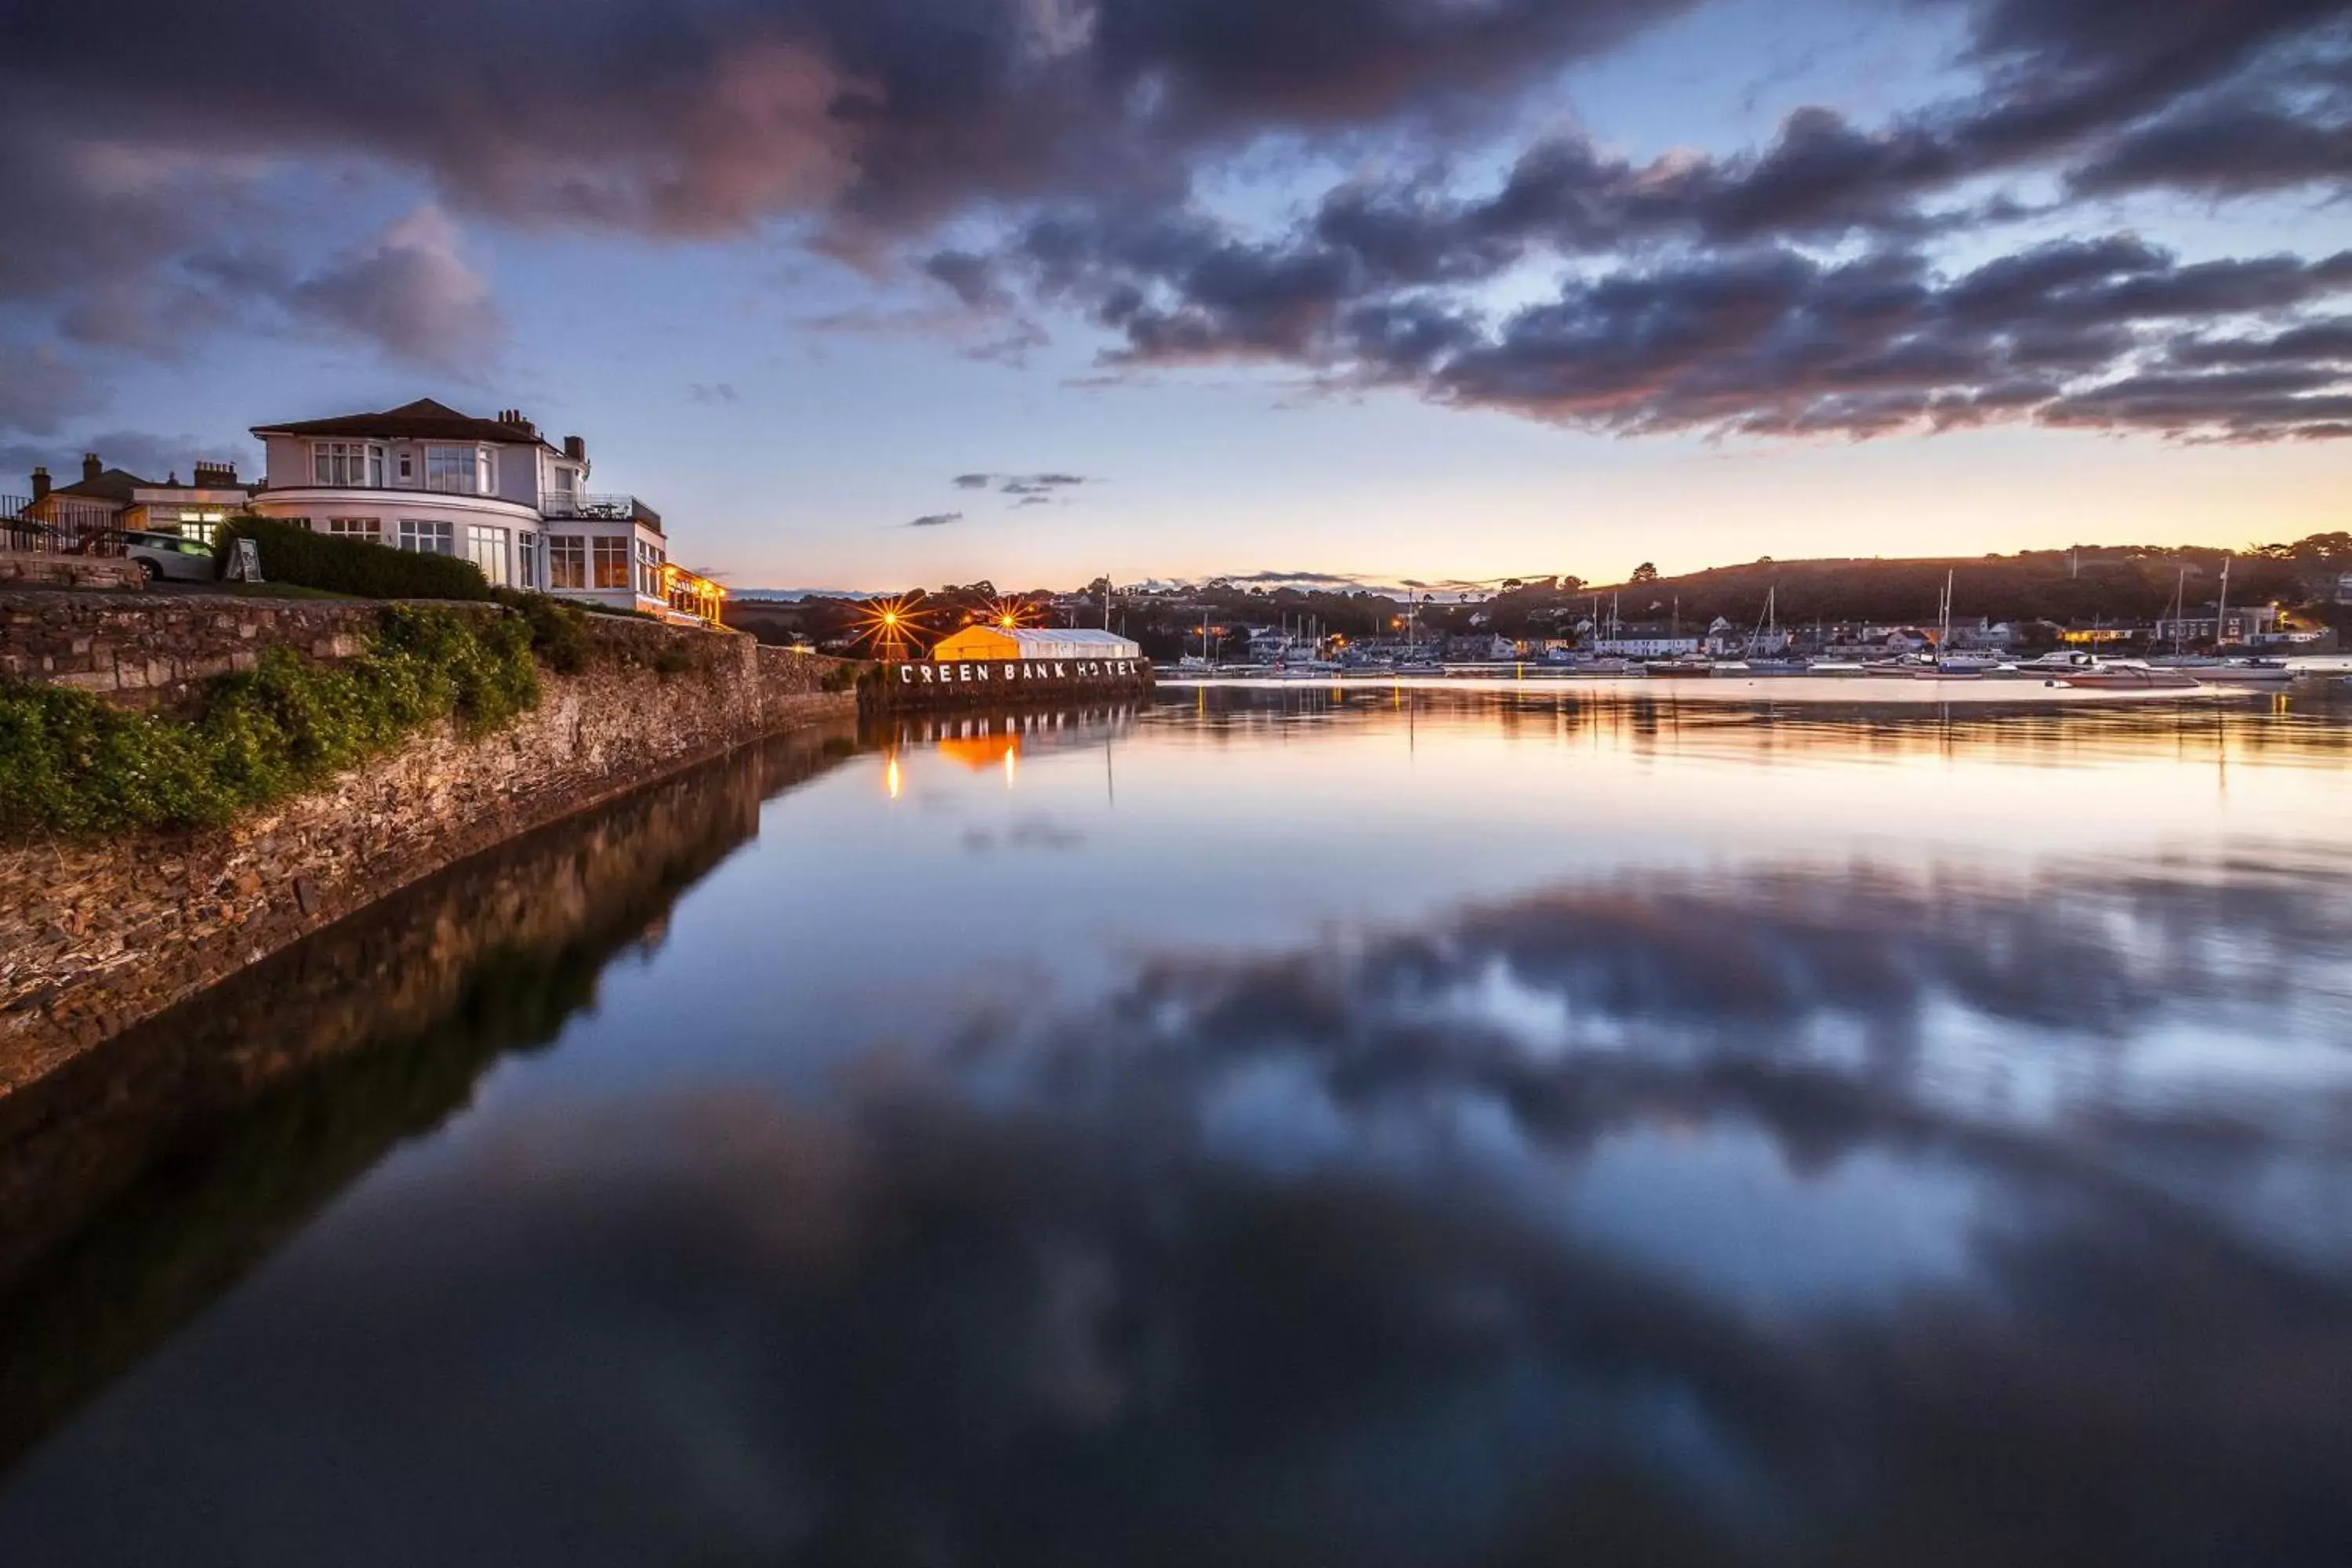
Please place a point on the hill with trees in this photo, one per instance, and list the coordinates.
(2087, 586)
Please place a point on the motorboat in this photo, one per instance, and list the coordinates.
(2243, 672)
(1678, 668)
(2127, 675)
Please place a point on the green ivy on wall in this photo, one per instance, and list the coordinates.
(70, 763)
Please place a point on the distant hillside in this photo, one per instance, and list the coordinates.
(2108, 583)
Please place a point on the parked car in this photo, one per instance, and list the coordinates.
(170, 557)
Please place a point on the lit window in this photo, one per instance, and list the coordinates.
(612, 563)
(426, 538)
(368, 528)
(567, 560)
(486, 548)
(347, 463)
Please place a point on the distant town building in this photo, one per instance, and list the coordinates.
(2239, 624)
(106, 498)
(424, 476)
(1645, 639)
(1724, 639)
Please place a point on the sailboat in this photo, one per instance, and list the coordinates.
(1767, 633)
(1949, 665)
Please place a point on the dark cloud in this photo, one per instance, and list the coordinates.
(2221, 150)
(1759, 341)
(137, 451)
(1029, 486)
(936, 520)
(873, 125)
(712, 392)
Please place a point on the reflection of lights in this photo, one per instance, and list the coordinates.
(1012, 765)
(890, 778)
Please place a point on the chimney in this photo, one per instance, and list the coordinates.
(90, 466)
(40, 484)
(576, 449)
(213, 476)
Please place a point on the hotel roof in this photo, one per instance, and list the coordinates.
(423, 420)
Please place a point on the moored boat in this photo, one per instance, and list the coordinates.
(2126, 677)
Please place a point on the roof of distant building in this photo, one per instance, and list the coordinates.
(1072, 633)
(423, 420)
(112, 484)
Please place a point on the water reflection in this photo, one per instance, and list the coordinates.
(1825, 1201)
(147, 1178)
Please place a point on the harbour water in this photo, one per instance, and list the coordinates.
(1364, 1126)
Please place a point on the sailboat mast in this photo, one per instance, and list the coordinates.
(2221, 609)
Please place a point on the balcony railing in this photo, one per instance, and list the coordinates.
(601, 508)
(438, 484)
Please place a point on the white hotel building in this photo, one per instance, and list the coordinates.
(426, 478)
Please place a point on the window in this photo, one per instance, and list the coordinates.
(527, 560)
(562, 487)
(201, 526)
(567, 560)
(612, 563)
(368, 528)
(649, 563)
(408, 467)
(460, 470)
(426, 538)
(486, 548)
(347, 463)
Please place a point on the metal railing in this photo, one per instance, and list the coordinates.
(601, 508)
(59, 525)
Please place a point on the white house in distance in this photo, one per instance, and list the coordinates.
(423, 476)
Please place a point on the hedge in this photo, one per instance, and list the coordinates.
(70, 763)
(292, 553)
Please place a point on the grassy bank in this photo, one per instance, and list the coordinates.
(70, 763)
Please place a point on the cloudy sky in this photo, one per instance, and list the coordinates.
(870, 292)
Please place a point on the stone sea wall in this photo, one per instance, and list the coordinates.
(96, 936)
(45, 569)
(148, 650)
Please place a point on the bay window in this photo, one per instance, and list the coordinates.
(460, 470)
(347, 463)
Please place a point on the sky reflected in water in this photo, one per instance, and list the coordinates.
(1273, 1127)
